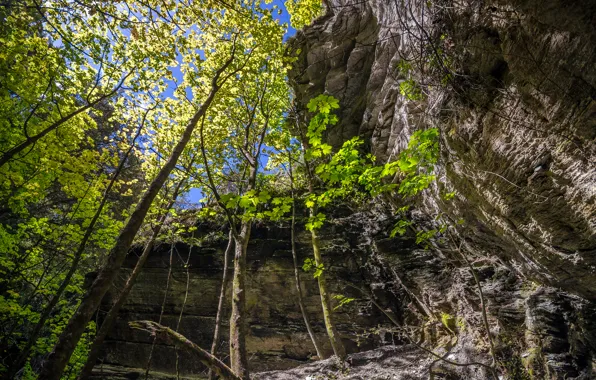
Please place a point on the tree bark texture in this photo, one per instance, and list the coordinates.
(238, 325)
(334, 338)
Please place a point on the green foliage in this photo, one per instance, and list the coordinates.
(400, 227)
(452, 323)
(310, 265)
(340, 172)
(323, 105)
(303, 12)
(425, 236)
(280, 206)
(447, 320)
(247, 201)
(342, 300)
(256, 204)
(79, 356)
(315, 222)
(408, 86)
(404, 67)
(28, 373)
(349, 173)
(449, 196)
(410, 89)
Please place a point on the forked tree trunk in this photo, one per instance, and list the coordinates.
(238, 326)
(222, 297)
(54, 366)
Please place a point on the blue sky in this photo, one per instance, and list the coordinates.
(195, 194)
(283, 18)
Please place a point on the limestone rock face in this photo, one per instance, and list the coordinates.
(511, 85)
(277, 336)
(517, 135)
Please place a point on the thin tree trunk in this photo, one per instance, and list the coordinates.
(204, 357)
(334, 338)
(238, 323)
(106, 326)
(67, 342)
(182, 308)
(75, 262)
(238, 326)
(163, 307)
(311, 333)
(222, 296)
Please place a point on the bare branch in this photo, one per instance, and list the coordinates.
(169, 335)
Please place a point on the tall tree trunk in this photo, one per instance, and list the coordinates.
(75, 262)
(67, 342)
(222, 297)
(108, 321)
(238, 325)
(311, 333)
(334, 338)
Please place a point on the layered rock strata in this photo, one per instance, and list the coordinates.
(277, 336)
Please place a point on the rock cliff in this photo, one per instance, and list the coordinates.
(511, 86)
(277, 336)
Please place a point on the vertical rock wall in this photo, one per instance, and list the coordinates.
(277, 336)
(511, 85)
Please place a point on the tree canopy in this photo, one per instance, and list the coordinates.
(111, 112)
